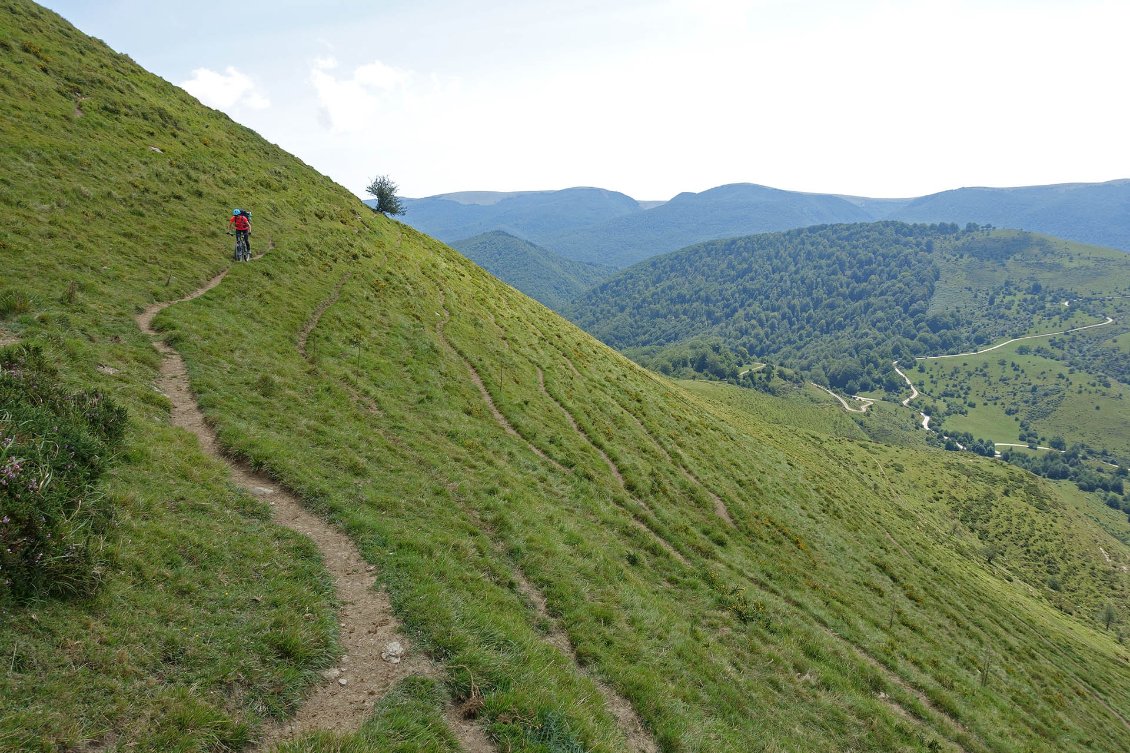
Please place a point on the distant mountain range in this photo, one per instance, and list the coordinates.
(609, 228)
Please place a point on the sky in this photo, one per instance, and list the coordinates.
(879, 98)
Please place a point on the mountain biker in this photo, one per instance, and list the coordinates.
(241, 223)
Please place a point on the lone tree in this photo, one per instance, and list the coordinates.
(384, 190)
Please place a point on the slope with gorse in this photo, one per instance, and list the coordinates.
(574, 541)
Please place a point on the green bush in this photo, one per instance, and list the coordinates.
(54, 445)
(14, 302)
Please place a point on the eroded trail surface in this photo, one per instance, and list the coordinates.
(367, 623)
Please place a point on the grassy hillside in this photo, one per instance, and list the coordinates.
(540, 274)
(741, 583)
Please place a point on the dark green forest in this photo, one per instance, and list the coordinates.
(837, 303)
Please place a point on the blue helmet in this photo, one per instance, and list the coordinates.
(234, 212)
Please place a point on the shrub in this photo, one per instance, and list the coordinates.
(14, 302)
(54, 446)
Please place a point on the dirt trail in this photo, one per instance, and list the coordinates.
(865, 402)
(1109, 320)
(720, 508)
(312, 322)
(367, 623)
(914, 393)
(667, 546)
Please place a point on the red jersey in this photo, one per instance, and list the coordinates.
(240, 222)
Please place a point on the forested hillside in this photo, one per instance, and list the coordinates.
(610, 229)
(540, 274)
(840, 302)
(572, 553)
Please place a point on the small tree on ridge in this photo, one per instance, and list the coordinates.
(384, 190)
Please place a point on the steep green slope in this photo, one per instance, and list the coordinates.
(540, 274)
(740, 583)
(184, 645)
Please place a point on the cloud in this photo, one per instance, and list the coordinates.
(351, 104)
(377, 75)
(225, 91)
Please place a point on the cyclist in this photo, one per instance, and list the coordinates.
(242, 226)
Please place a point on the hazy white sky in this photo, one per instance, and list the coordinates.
(655, 97)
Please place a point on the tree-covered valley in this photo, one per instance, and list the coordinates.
(837, 302)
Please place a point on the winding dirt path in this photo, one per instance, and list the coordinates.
(667, 546)
(1109, 320)
(627, 720)
(367, 623)
(865, 402)
(312, 322)
(720, 508)
(914, 394)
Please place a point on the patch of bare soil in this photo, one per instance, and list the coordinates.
(369, 630)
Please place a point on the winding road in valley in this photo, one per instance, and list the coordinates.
(1109, 320)
(865, 402)
(914, 393)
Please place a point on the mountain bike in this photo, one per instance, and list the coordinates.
(242, 252)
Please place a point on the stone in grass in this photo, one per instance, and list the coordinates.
(393, 653)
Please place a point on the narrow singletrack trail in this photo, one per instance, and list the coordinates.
(629, 723)
(627, 720)
(720, 508)
(312, 322)
(367, 623)
(612, 467)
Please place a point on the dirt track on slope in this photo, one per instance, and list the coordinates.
(1109, 320)
(367, 623)
(866, 402)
